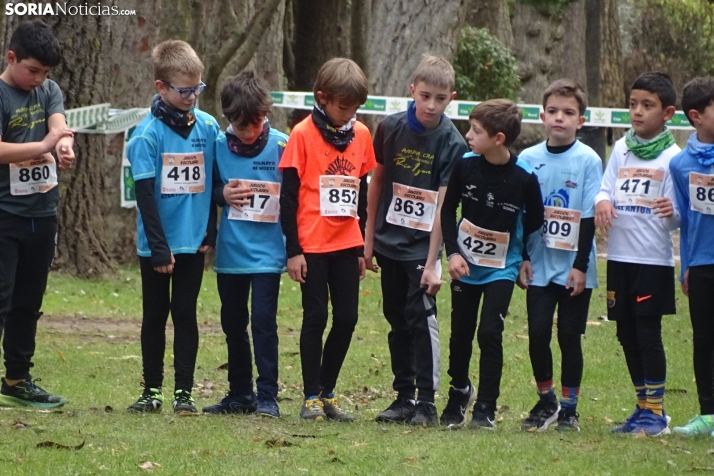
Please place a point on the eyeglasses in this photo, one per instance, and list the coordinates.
(185, 93)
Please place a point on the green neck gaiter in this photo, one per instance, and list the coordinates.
(651, 149)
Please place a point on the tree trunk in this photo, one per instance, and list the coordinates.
(401, 31)
(549, 44)
(492, 15)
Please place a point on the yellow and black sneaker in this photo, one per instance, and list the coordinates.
(184, 402)
(312, 409)
(334, 411)
(28, 394)
(149, 402)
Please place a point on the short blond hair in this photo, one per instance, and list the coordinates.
(435, 71)
(173, 57)
(341, 80)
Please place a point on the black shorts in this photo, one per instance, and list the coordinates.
(635, 289)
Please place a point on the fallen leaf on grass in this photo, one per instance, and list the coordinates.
(108, 409)
(406, 432)
(61, 355)
(664, 442)
(188, 414)
(594, 323)
(285, 399)
(701, 468)
(52, 444)
(20, 425)
(411, 460)
(608, 420)
(331, 452)
(359, 445)
(336, 460)
(675, 390)
(223, 367)
(279, 443)
(305, 436)
(503, 409)
(148, 465)
(257, 438)
(519, 336)
(500, 419)
(671, 463)
(641, 434)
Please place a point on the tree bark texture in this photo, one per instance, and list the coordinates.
(401, 31)
(492, 15)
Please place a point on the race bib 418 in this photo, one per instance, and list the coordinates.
(183, 173)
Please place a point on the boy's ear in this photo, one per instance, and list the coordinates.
(668, 113)
(581, 121)
(11, 58)
(500, 138)
(453, 95)
(160, 86)
(320, 98)
(542, 117)
(411, 90)
(694, 116)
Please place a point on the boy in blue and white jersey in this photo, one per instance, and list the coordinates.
(171, 156)
(693, 176)
(251, 246)
(559, 267)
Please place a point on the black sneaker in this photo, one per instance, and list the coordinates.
(184, 402)
(454, 414)
(333, 410)
(568, 421)
(543, 414)
(267, 405)
(232, 404)
(425, 414)
(400, 411)
(28, 394)
(484, 416)
(150, 401)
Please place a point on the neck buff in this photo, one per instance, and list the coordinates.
(248, 150)
(703, 152)
(651, 149)
(339, 138)
(181, 122)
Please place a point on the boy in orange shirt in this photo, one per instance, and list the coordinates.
(323, 204)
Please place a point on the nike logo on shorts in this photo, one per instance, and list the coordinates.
(643, 298)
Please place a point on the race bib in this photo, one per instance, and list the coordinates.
(183, 173)
(33, 176)
(338, 196)
(412, 207)
(264, 204)
(483, 247)
(701, 193)
(638, 186)
(561, 228)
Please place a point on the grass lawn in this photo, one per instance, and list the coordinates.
(88, 350)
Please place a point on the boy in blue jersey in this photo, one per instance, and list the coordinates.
(636, 204)
(32, 126)
(559, 263)
(250, 251)
(171, 154)
(500, 204)
(693, 176)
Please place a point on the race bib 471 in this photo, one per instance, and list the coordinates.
(637, 186)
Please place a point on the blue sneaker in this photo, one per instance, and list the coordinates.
(699, 425)
(233, 404)
(652, 424)
(629, 424)
(266, 405)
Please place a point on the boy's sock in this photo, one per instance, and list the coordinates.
(463, 390)
(569, 398)
(12, 383)
(545, 391)
(655, 395)
(641, 390)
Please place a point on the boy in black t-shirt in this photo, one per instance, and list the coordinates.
(415, 152)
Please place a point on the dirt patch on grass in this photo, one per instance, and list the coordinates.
(108, 327)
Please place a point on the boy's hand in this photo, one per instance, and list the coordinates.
(205, 249)
(576, 280)
(458, 267)
(369, 258)
(685, 283)
(604, 213)
(235, 195)
(431, 280)
(525, 275)
(297, 268)
(52, 138)
(362, 268)
(663, 207)
(64, 152)
(167, 268)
